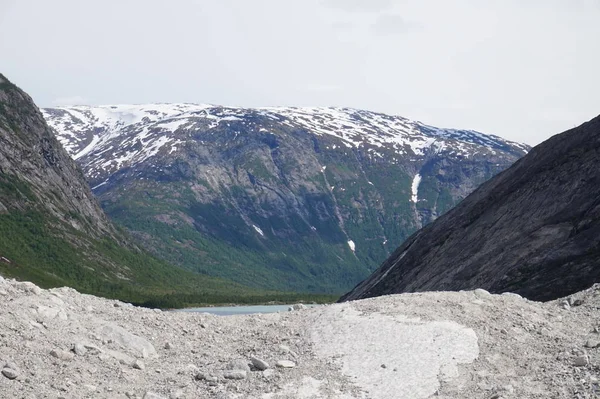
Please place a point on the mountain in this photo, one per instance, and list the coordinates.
(304, 199)
(533, 229)
(53, 231)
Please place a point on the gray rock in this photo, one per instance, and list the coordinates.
(297, 306)
(131, 342)
(79, 349)
(10, 373)
(238, 364)
(575, 301)
(47, 312)
(152, 395)
(592, 343)
(481, 293)
(268, 373)
(286, 364)
(259, 363)
(512, 295)
(581, 361)
(138, 364)
(168, 345)
(121, 357)
(28, 287)
(235, 374)
(201, 376)
(62, 355)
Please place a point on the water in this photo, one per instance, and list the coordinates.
(237, 310)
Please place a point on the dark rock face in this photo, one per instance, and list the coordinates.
(534, 229)
(32, 157)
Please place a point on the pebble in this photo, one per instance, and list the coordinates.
(238, 365)
(235, 374)
(62, 355)
(79, 349)
(168, 345)
(581, 361)
(138, 364)
(10, 373)
(286, 364)
(259, 363)
(592, 343)
(481, 293)
(268, 373)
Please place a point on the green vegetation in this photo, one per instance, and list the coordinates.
(44, 255)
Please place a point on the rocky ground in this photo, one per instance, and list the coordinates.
(61, 344)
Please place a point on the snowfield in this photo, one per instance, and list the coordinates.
(133, 134)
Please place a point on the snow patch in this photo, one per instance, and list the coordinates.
(258, 230)
(352, 245)
(415, 188)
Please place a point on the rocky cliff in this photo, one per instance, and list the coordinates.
(533, 229)
(309, 199)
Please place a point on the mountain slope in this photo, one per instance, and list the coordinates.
(53, 232)
(309, 199)
(533, 229)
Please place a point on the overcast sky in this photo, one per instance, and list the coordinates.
(520, 69)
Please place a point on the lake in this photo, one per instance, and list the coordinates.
(237, 310)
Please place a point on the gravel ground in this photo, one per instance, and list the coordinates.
(61, 344)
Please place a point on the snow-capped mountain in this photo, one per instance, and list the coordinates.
(266, 185)
(136, 133)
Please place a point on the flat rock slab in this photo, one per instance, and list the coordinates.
(393, 357)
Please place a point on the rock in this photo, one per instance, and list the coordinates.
(47, 312)
(581, 361)
(286, 364)
(238, 364)
(178, 394)
(121, 357)
(268, 373)
(79, 349)
(235, 374)
(592, 343)
(481, 293)
(298, 306)
(168, 345)
(138, 364)
(152, 395)
(201, 376)
(512, 295)
(575, 301)
(259, 363)
(28, 287)
(131, 342)
(62, 355)
(10, 373)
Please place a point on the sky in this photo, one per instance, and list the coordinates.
(520, 69)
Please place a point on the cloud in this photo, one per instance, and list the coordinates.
(392, 24)
(72, 100)
(359, 5)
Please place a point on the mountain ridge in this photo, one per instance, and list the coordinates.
(309, 199)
